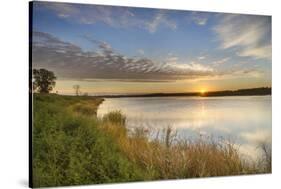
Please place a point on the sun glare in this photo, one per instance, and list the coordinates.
(203, 91)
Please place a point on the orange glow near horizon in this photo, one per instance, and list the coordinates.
(126, 87)
(203, 91)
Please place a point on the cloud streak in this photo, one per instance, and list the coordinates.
(70, 61)
(221, 61)
(117, 17)
(200, 19)
(160, 19)
(249, 35)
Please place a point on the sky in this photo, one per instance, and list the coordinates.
(124, 50)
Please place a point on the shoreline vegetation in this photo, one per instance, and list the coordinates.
(240, 92)
(71, 146)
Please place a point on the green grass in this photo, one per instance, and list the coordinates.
(70, 149)
(71, 146)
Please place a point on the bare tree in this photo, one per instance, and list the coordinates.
(76, 89)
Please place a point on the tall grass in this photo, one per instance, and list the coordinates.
(168, 157)
(266, 157)
(71, 146)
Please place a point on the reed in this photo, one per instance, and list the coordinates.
(169, 157)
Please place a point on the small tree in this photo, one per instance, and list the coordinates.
(76, 89)
(43, 80)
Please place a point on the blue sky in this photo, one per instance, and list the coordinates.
(83, 43)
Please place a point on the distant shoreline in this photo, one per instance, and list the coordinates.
(263, 91)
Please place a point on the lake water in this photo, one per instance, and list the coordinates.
(243, 119)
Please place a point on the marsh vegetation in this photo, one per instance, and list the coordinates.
(71, 146)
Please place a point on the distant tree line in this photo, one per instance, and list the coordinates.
(242, 92)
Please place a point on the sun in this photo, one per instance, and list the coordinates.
(203, 91)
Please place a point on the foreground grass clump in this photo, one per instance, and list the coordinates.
(168, 157)
(70, 149)
(71, 146)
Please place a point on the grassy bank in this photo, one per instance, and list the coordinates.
(71, 146)
(70, 149)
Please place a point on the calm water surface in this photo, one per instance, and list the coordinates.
(243, 119)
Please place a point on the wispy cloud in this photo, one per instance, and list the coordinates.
(70, 61)
(140, 51)
(116, 17)
(257, 52)
(190, 67)
(62, 10)
(231, 74)
(249, 35)
(200, 19)
(87, 14)
(220, 61)
(201, 57)
(160, 19)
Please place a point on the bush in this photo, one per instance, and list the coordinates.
(115, 117)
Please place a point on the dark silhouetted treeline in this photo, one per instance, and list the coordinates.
(239, 92)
